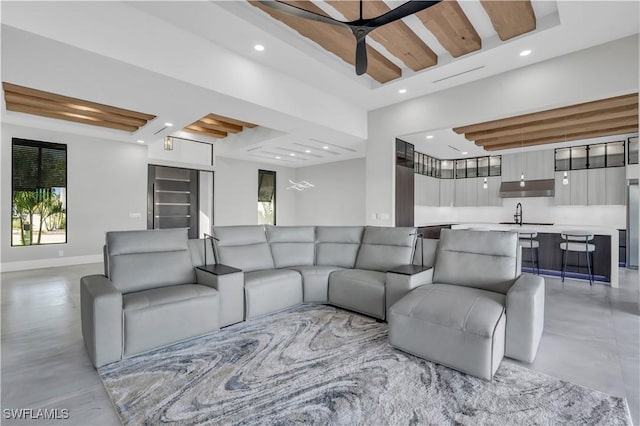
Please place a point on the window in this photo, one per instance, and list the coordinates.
(39, 193)
(266, 197)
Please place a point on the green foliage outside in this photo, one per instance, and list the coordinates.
(44, 204)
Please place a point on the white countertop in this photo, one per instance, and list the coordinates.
(551, 229)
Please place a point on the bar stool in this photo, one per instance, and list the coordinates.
(527, 241)
(577, 241)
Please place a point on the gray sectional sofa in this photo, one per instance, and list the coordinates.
(468, 311)
(343, 266)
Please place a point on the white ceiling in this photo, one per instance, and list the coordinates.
(182, 60)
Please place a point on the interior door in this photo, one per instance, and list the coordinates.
(172, 199)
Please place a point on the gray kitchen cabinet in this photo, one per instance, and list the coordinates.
(493, 188)
(615, 178)
(539, 165)
(483, 194)
(511, 167)
(418, 189)
(562, 192)
(471, 191)
(447, 190)
(596, 187)
(459, 199)
(578, 183)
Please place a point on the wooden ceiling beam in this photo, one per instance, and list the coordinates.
(231, 120)
(448, 23)
(93, 106)
(559, 134)
(337, 40)
(205, 131)
(77, 117)
(556, 123)
(396, 37)
(44, 104)
(569, 137)
(618, 101)
(221, 126)
(510, 18)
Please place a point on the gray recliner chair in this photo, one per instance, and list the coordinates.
(149, 296)
(477, 309)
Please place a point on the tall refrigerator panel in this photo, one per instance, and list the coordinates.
(632, 224)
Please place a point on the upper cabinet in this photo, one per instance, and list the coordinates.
(534, 164)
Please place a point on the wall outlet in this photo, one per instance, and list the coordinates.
(60, 253)
(135, 215)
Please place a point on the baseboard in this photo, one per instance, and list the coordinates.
(49, 263)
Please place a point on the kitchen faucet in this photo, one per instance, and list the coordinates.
(517, 218)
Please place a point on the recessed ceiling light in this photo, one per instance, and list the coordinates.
(464, 153)
(307, 151)
(168, 124)
(293, 154)
(277, 158)
(429, 136)
(325, 147)
(259, 47)
(140, 141)
(525, 52)
(402, 91)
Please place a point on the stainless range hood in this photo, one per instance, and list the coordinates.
(532, 188)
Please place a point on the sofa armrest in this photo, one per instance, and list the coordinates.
(402, 280)
(229, 282)
(525, 317)
(101, 317)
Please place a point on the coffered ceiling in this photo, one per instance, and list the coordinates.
(180, 61)
(446, 21)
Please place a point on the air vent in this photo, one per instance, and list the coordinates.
(458, 74)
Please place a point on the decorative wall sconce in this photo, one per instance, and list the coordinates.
(485, 185)
(565, 179)
(168, 143)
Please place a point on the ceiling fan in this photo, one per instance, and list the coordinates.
(360, 27)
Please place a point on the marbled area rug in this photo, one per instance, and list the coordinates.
(322, 365)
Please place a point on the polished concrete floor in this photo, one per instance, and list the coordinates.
(591, 338)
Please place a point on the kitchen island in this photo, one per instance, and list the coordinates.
(605, 257)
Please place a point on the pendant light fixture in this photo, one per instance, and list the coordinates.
(522, 156)
(168, 143)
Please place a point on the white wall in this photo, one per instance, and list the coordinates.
(338, 197)
(107, 184)
(567, 80)
(236, 193)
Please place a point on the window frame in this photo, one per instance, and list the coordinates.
(40, 145)
(275, 191)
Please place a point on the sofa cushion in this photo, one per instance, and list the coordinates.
(359, 290)
(140, 260)
(338, 245)
(315, 282)
(291, 245)
(244, 247)
(385, 248)
(461, 327)
(463, 253)
(167, 315)
(270, 291)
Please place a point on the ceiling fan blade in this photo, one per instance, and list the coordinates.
(406, 9)
(361, 56)
(301, 13)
